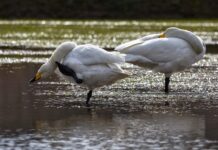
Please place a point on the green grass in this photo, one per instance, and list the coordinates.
(106, 33)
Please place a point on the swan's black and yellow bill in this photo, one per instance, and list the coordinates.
(162, 35)
(37, 77)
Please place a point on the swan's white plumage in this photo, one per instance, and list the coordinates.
(177, 51)
(126, 46)
(95, 66)
(90, 54)
(86, 65)
(195, 41)
(62, 50)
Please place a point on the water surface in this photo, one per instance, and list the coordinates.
(130, 114)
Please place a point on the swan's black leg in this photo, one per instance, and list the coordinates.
(68, 72)
(167, 81)
(89, 95)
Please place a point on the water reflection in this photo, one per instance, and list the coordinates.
(51, 115)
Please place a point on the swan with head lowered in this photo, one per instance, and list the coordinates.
(171, 51)
(86, 65)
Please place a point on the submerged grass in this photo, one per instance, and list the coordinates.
(106, 33)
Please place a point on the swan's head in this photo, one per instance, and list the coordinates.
(48, 68)
(170, 32)
(44, 71)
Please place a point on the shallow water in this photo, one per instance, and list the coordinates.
(131, 114)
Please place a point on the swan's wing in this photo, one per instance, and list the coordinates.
(103, 74)
(139, 61)
(162, 50)
(124, 47)
(91, 55)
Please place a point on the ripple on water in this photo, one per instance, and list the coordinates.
(121, 134)
(130, 114)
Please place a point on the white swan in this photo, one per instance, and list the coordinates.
(86, 65)
(168, 52)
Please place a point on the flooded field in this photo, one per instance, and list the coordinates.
(131, 114)
(38, 34)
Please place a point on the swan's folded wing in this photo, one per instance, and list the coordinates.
(91, 55)
(123, 48)
(139, 60)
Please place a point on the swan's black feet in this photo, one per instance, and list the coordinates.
(166, 91)
(89, 95)
(167, 81)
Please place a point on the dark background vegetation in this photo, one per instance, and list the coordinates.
(108, 9)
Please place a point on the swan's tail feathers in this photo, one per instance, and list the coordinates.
(116, 57)
(139, 61)
(117, 68)
(125, 74)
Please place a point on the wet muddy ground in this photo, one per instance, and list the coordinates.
(130, 114)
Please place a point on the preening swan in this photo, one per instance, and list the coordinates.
(86, 65)
(168, 52)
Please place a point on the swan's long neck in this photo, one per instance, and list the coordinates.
(195, 41)
(60, 52)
